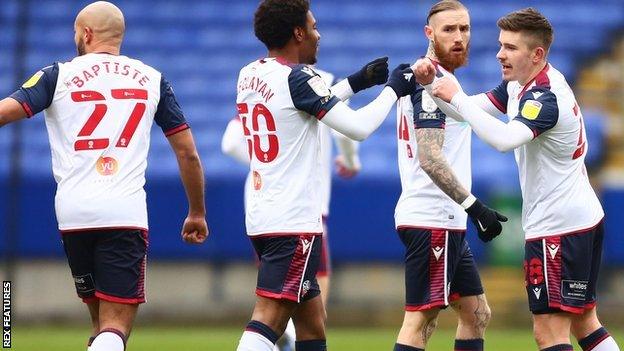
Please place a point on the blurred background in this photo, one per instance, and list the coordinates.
(200, 46)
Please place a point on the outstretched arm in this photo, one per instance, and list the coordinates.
(502, 136)
(359, 124)
(195, 229)
(11, 111)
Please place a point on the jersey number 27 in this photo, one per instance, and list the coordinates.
(98, 114)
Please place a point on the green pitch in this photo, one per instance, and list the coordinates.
(221, 339)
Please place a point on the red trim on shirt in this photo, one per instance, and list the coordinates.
(177, 129)
(496, 103)
(568, 233)
(272, 235)
(100, 229)
(27, 109)
(429, 228)
(541, 80)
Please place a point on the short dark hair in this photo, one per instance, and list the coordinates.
(445, 5)
(531, 22)
(275, 21)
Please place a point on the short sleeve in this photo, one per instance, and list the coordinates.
(37, 93)
(309, 92)
(499, 96)
(426, 112)
(538, 110)
(169, 115)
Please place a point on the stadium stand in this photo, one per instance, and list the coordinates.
(200, 45)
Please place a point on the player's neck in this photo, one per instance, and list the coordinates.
(534, 72)
(432, 56)
(288, 55)
(108, 49)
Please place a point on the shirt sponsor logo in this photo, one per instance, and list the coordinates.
(428, 115)
(107, 166)
(33, 80)
(531, 109)
(257, 180)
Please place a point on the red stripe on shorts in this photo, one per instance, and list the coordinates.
(437, 263)
(296, 271)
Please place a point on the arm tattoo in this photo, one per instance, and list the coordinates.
(433, 162)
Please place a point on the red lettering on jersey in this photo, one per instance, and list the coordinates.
(106, 65)
(87, 76)
(136, 73)
(78, 82)
(96, 70)
(126, 70)
(143, 80)
(255, 147)
(137, 94)
(116, 67)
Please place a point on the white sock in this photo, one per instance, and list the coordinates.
(607, 344)
(287, 341)
(251, 341)
(107, 341)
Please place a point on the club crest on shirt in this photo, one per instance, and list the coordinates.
(428, 105)
(318, 85)
(531, 109)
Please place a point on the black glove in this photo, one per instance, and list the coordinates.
(373, 73)
(402, 80)
(487, 221)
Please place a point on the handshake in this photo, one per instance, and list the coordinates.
(401, 80)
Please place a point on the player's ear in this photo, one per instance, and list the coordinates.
(87, 35)
(539, 54)
(429, 32)
(299, 34)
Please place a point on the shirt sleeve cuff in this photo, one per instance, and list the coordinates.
(177, 129)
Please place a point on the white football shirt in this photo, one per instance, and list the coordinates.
(557, 196)
(422, 204)
(279, 105)
(99, 109)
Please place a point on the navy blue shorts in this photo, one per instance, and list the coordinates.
(288, 266)
(429, 254)
(108, 264)
(561, 272)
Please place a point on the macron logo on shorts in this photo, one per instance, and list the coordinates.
(437, 252)
(552, 248)
(306, 245)
(537, 292)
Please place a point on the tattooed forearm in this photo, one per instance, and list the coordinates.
(432, 160)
